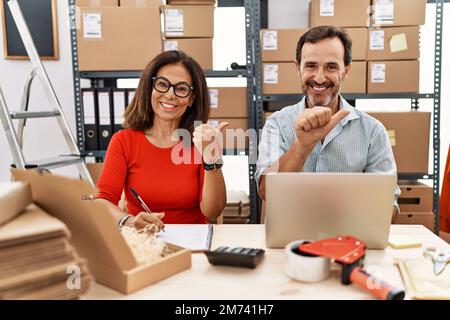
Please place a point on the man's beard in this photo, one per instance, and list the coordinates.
(322, 99)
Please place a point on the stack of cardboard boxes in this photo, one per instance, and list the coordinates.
(385, 51)
(237, 209)
(189, 26)
(116, 35)
(36, 259)
(113, 35)
(416, 204)
(393, 46)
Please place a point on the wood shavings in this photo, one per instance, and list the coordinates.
(144, 244)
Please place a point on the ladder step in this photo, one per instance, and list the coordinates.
(56, 162)
(33, 114)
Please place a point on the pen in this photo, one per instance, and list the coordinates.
(138, 197)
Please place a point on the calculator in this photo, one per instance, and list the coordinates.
(235, 256)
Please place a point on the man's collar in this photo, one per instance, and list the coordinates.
(343, 104)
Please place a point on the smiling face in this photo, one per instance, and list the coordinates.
(167, 106)
(321, 71)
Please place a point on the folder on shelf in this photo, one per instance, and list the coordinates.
(119, 102)
(130, 95)
(105, 117)
(90, 117)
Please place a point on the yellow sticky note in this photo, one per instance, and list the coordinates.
(391, 134)
(399, 241)
(398, 42)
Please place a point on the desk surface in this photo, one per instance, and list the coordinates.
(268, 281)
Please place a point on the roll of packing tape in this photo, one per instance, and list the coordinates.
(304, 267)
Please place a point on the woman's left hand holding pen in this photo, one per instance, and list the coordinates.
(143, 219)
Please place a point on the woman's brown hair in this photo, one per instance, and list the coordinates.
(139, 113)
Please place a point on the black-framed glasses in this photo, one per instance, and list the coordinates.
(181, 89)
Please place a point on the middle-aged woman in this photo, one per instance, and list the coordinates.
(172, 94)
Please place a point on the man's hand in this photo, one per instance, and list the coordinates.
(313, 125)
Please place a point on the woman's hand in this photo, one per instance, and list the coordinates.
(208, 140)
(143, 219)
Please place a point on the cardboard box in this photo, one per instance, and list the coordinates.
(95, 235)
(104, 44)
(140, 3)
(356, 80)
(415, 197)
(409, 133)
(393, 76)
(228, 102)
(343, 13)
(396, 43)
(280, 78)
(97, 3)
(279, 45)
(235, 134)
(359, 43)
(188, 21)
(201, 49)
(398, 13)
(424, 218)
(14, 197)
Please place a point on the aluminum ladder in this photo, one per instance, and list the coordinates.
(15, 140)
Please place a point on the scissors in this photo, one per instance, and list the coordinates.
(440, 258)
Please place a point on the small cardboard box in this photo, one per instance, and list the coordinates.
(398, 12)
(396, 43)
(280, 78)
(279, 45)
(235, 135)
(356, 80)
(228, 102)
(184, 21)
(409, 133)
(105, 44)
(393, 76)
(424, 218)
(201, 49)
(343, 13)
(415, 197)
(359, 43)
(97, 3)
(95, 235)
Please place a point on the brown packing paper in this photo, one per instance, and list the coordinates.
(95, 235)
(421, 282)
(14, 197)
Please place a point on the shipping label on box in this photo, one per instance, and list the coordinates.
(384, 12)
(92, 25)
(376, 40)
(271, 73)
(326, 8)
(270, 40)
(378, 73)
(170, 45)
(214, 98)
(173, 22)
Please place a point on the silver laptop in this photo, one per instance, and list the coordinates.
(312, 206)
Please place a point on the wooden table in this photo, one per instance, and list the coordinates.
(268, 280)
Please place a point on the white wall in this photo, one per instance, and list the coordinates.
(41, 137)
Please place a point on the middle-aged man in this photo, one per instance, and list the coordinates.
(323, 132)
